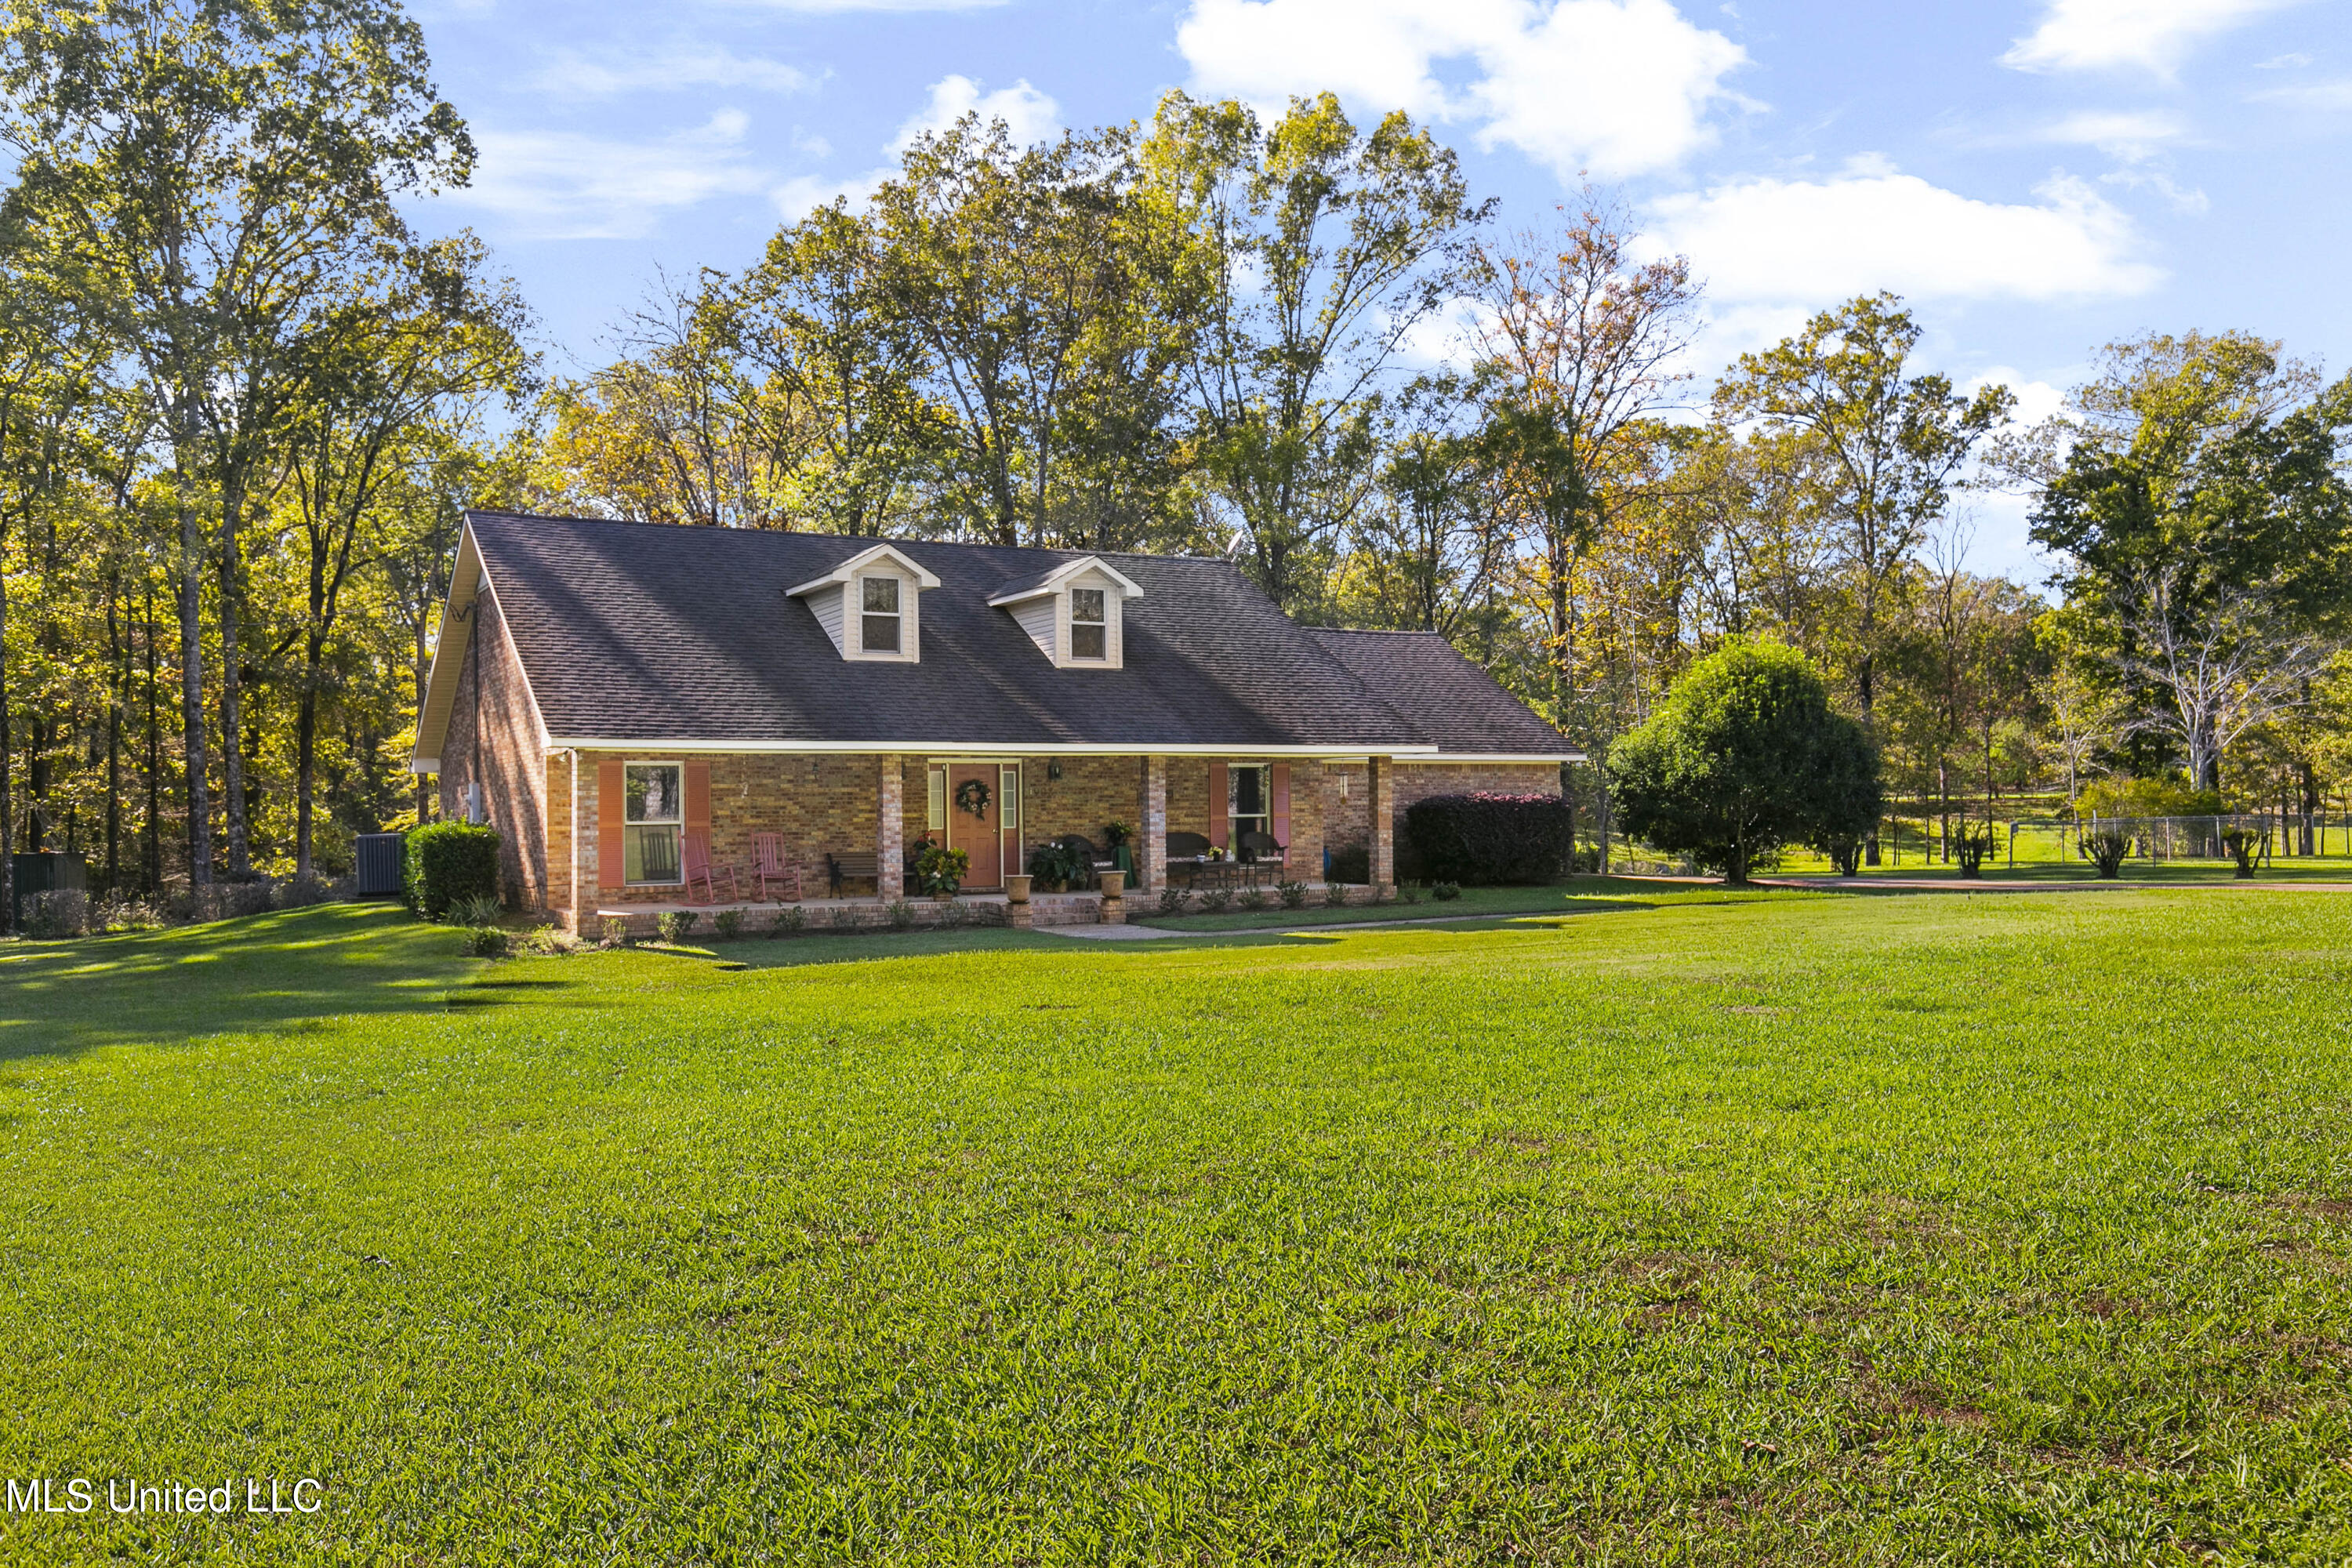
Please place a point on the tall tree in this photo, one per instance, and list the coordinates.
(1432, 548)
(220, 167)
(2200, 503)
(997, 256)
(1891, 445)
(1581, 343)
(838, 376)
(1329, 246)
(418, 343)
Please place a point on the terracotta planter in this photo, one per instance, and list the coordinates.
(1016, 889)
(1114, 883)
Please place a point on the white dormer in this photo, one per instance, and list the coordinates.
(871, 605)
(1074, 613)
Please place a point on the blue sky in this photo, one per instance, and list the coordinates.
(2035, 178)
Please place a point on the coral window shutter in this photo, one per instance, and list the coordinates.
(697, 799)
(609, 791)
(1217, 804)
(1281, 804)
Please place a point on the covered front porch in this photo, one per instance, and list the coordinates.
(840, 833)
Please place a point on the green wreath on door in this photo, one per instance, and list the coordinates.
(973, 796)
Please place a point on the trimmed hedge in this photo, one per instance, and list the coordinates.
(448, 861)
(1484, 839)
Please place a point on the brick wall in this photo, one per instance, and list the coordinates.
(821, 803)
(495, 736)
(1188, 810)
(816, 803)
(1092, 793)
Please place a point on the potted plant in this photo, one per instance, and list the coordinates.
(940, 871)
(1056, 866)
(1117, 833)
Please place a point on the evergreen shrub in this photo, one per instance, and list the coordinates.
(1480, 841)
(448, 861)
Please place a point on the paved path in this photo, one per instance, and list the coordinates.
(1108, 933)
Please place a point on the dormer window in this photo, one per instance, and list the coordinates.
(1075, 612)
(1089, 627)
(871, 605)
(877, 630)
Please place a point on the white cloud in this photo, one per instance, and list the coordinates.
(2326, 97)
(2152, 35)
(665, 70)
(803, 194)
(2130, 136)
(1764, 241)
(1031, 115)
(2036, 400)
(1617, 87)
(566, 185)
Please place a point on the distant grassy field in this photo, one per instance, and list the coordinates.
(1666, 1226)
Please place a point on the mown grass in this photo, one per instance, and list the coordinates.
(1586, 894)
(1778, 1229)
(2045, 867)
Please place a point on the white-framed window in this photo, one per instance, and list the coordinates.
(880, 621)
(935, 801)
(1248, 799)
(1089, 625)
(653, 815)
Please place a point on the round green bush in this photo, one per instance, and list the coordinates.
(1744, 756)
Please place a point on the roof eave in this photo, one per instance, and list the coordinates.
(925, 579)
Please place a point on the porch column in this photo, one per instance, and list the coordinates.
(891, 831)
(1152, 857)
(1379, 803)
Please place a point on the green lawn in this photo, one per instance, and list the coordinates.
(1573, 895)
(1667, 1227)
(2041, 860)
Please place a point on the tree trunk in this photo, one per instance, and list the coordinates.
(192, 693)
(118, 679)
(153, 872)
(2310, 803)
(306, 733)
(423, 671)
(232, 750)
(7, 807)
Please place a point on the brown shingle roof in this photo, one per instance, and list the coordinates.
(1441, 694)
(641, 631)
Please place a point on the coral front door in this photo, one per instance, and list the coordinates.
(976, 820)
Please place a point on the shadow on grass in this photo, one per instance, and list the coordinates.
(1450, 914)
(258, 972)
(791, 953)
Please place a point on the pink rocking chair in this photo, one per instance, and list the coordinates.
(698, 868)
(770, 865)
